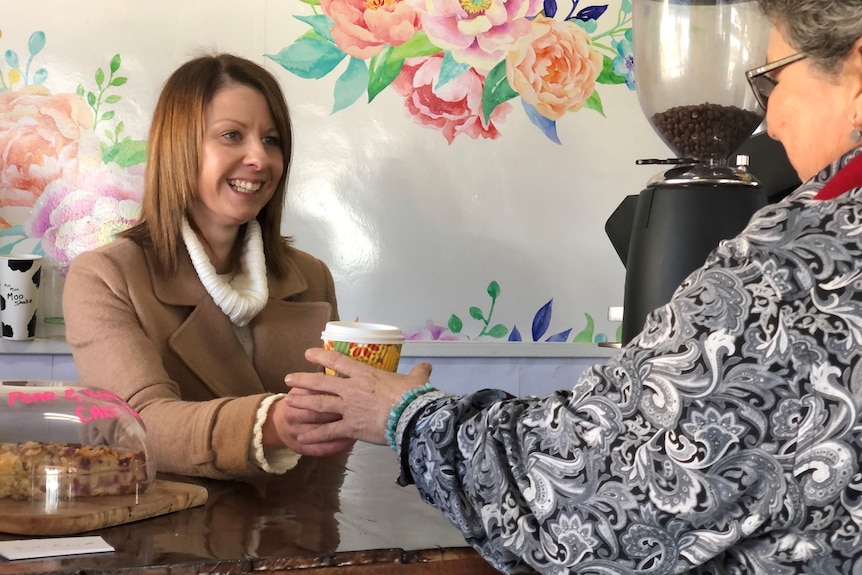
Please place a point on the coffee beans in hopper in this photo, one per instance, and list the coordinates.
(705, 131)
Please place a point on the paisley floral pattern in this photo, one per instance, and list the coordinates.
(725, 439)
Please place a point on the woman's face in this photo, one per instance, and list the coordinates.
(241, 159)
(810, 112)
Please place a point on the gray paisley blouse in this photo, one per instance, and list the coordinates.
(724, 439)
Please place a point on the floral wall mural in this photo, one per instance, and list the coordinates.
(454, 160)
(459, 63)
(69, 177)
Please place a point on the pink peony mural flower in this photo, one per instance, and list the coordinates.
(454, 108)
(43, 138)
(73, 217)
(477, 32)
(555, 67)
(361, 28)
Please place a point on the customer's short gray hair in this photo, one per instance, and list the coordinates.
(825, 29)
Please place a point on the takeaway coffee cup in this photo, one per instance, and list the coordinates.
(376, 344)
(20, 276)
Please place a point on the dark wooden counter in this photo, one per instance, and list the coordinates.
(334, 516)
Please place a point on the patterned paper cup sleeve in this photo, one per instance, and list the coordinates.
(383, 356)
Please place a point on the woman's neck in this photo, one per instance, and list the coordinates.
(221, 246)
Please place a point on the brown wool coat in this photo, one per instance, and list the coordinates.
(162, 344)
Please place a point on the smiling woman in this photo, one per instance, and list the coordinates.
(195, 315)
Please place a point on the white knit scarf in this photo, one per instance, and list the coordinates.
(242, 295)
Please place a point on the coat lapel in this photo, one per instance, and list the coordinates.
(205, 342)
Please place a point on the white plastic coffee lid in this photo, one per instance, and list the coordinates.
(359, 332)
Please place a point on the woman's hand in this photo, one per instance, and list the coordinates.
(285, 423)
(363, 398)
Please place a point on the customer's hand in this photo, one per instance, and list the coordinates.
(285, 423)
(363, 398)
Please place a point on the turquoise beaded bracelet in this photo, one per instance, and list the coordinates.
(406, 399)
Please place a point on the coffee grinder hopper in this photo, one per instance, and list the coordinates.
(690, 58)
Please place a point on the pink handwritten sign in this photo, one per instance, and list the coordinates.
(93, 403)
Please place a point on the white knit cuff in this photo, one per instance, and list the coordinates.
(277, 460)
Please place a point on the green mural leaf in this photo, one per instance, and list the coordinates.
(320, 23)
(115, 63)
(586, 334)
(79, 90)
(119, 81)
(418, 45)
(100, 77)
(91, 99)
(497, 90)
(594, 102)
(126, 153)
(113, 99)
(107, 116)
(493, 289)
(351, 84)
(36, 43)
(498, 331)
(476, 313)
(382, 70)
(455, 324)
(607, 75)
(309, 58)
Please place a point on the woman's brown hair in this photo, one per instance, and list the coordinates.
(174, 148)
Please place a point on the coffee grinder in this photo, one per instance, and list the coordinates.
(690, 58)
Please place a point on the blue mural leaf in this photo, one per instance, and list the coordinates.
(600, 338)
(309, 58)
(591, 13)
(12, 58)
(515, 335)
(36, 43)
(450, 69)
(560, 337)
(16, 230)
(40, 76)
(351, 84)
(550, 8)
(542, 320)
(548, 127)
(320, 23)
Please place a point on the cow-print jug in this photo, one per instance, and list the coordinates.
(20, 277)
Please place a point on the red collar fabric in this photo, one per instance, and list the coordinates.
(847, 178)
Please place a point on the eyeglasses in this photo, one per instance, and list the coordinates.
(763, 81)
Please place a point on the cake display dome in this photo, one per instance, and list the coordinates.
(62, 441)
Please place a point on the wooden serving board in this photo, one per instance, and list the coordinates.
(86, 514)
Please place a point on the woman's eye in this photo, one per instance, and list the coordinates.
(231, 135)
(272, 141)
